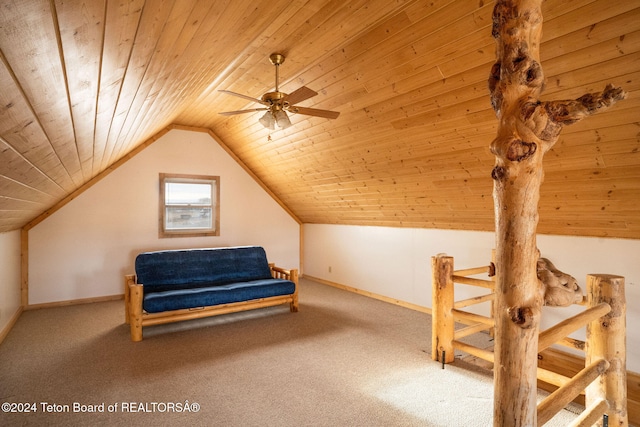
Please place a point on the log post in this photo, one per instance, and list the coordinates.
(527, 129)
(442, 331)
(129, 279)
(135, 311)
(293, 307)
(606, 339)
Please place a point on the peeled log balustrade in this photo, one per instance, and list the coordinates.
(604, 375)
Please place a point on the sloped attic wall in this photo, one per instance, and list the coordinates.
(9, 278)
(84, 249)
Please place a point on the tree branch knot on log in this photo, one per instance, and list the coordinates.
(521, 316)
(499, 173)
(521, 150)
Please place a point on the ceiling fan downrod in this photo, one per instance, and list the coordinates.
(277, 59)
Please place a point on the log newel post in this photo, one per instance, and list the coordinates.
(442, 304)
(606, 339)
(527, 129)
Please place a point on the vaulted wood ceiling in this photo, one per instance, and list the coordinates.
(83, 82)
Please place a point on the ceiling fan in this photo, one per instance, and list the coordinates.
(277, 104)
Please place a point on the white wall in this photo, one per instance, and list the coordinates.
(396, 263)
(10, 299)
(84, 249)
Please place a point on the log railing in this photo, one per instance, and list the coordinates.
(604, 376)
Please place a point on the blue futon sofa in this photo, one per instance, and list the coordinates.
(169, 286)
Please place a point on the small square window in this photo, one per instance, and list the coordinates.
(189, 205)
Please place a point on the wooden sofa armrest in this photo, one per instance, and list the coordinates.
(287, 274)
(282, 273)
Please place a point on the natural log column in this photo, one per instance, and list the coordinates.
(607, 339)
(528, 128)
(442, 333)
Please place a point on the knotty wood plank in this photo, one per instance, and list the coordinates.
(81, 26)
(153, 76)
(121, 26)
(151, 24)
(29, 28)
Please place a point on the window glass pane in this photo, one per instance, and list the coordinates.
(187, 217)
(189, 205)
(177, 193)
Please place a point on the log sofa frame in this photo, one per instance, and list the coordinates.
(134, 293)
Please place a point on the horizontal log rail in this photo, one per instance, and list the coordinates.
(473, 301)
(605, 348)
(472, 317)
(554, 334)
(572, 343)
(489, 284)
(551, 377)
(591, 414)
(473, 271)
(470, 330)
(560, 398)
(475, 351)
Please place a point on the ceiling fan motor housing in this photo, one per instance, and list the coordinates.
(275, 100)
(273, 97)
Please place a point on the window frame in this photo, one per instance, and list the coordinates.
(214, 181)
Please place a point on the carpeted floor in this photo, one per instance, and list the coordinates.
(343, 360)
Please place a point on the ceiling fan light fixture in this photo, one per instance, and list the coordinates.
(268, 121)
(282, 119)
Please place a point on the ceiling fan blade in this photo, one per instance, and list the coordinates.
(314, 112)
(239, 95)
(300, 95)
(233, 113)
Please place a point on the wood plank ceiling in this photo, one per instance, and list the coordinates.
(83, 82)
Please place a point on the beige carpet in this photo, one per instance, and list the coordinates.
(343, 360)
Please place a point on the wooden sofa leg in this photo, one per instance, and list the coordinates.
(135, 311)
(294, 278)
(129, 279)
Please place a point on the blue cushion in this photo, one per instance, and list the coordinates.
(156, 302)
(179, 269)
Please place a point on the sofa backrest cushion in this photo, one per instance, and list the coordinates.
(164, 270)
